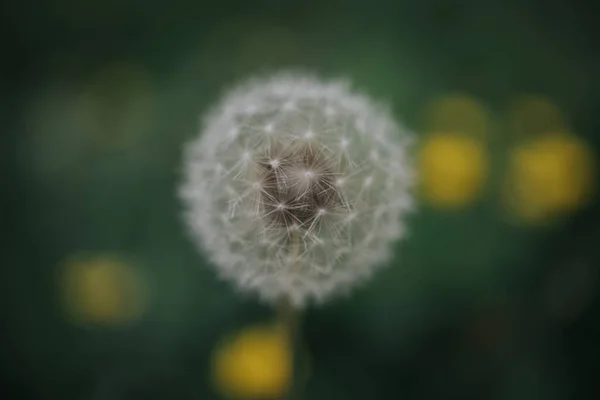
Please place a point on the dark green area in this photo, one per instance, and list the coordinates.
(461, 314)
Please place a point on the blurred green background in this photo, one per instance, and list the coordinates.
(494, 294)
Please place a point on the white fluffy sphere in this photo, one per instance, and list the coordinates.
(296, 188)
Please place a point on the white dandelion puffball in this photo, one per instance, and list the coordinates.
(296, 188)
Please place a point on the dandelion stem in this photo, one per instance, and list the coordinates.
(288, 316)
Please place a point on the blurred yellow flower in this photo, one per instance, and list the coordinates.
(254, 364)
(101, 289)
(549, 175)
(534, 115)
(452, 169)
(457, 113)
(117, 106)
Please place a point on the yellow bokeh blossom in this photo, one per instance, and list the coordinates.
(549, 175)
(452, 169)
(117, 106)
(531, 115)
(457, 113)
(101, 290)
(254, 364)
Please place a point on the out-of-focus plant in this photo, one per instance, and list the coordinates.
(255, 363)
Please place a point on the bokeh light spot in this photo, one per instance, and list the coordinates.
(452, 169)
(457, 113)
(53, 143)
(534, 115)
(101, 290)
(489, 330)
(256, 363)
(269, 46)
(548, 176)
(117, 106)
(241, 45)
(569, 290)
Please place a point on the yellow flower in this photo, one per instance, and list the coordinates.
(101, 290)
(549, 175)
(452, 169)
(254, 364)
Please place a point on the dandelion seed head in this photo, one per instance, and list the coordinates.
(311, 190)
